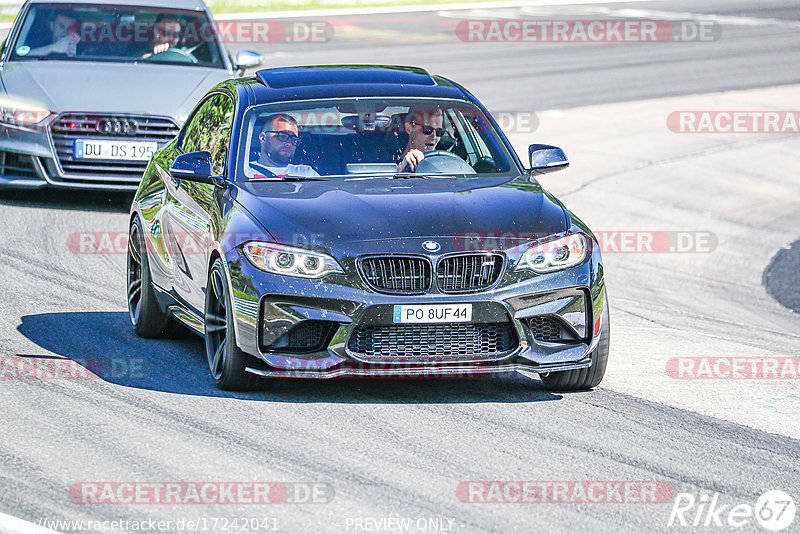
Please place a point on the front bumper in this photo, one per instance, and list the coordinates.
(268, 307)
(22, 153)
(33, 158)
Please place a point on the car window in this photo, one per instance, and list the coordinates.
(369, 136)
(209, 128)
(216, 132)
(193, 128)
(117, 33)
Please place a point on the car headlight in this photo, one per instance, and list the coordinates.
(290, 261)
(554, 255)
(14, 113)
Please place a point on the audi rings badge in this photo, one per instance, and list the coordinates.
(114, 126)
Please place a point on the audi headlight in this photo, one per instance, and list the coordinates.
(554, 255)
(20, 114)
(290, 261)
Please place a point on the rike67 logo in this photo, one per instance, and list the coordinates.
(774, 510)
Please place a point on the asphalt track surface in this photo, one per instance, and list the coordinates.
(758, 47)
(384, 448)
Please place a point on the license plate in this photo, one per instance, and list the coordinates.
(112, 149)
(433, 313)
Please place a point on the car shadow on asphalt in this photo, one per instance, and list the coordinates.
(104, 344)
(61, 199)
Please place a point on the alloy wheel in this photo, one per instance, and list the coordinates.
(134, 274)
(216, 325)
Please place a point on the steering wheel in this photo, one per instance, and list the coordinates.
(177, 55)
(443, 162)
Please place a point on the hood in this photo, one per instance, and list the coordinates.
(374, 215)
(166, 90)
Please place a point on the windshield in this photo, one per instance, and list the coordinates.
(363, 137)
(100, 32)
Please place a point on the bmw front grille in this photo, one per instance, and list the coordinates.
(412, 275)
(400, 275)
(468, 272)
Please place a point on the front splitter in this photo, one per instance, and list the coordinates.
(421, 371)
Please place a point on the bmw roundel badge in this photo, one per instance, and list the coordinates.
(431, 246)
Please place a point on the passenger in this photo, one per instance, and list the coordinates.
(166, 35)
(424, 129)
(279, 141)
(65, 38)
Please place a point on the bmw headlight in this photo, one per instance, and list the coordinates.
(20, 114)
(290, 261)
(554, 255)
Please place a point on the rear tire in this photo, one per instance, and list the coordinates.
(226, 360)
(589, 377)
(147, 317)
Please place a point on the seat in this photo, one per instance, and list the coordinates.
(396, 137)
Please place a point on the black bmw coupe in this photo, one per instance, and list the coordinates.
(326, 221)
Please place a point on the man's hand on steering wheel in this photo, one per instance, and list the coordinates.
(410, 160)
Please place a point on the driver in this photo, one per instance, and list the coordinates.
(166, 35)
(279, 141)
(63, 28)
(424, 129)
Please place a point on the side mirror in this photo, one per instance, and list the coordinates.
(546, 158)
(194, 167)
(247, 59)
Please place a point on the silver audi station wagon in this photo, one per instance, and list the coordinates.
(90, 90)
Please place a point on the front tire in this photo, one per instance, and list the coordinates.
(147, 317)
(589, 377)
(225, 359)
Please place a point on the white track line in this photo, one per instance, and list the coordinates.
(677, 15)
(405, 9)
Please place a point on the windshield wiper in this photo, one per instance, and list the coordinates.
(287, 179)
(403, 175)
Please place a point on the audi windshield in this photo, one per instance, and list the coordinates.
(104, 32)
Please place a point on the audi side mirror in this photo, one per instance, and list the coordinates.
(546, 158)
(247, 59)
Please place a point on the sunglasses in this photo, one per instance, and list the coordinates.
(427, 130)
(285, 137)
